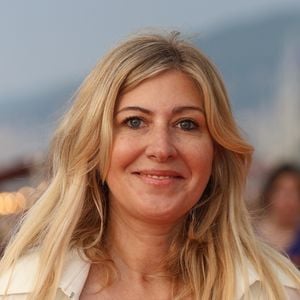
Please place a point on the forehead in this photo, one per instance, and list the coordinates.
(168, 89)
(287, 178)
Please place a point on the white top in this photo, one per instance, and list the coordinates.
(76, 270)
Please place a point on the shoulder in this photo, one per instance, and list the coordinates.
(254, 284)
(22, 277)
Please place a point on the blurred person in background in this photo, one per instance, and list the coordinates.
(280, 203)
(145, 199)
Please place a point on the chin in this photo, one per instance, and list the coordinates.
(162, 216)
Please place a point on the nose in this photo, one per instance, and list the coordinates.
(160, 145)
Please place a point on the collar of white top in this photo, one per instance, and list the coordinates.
(23, 277)
(75, 272)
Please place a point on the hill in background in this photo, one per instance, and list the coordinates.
(259, 60)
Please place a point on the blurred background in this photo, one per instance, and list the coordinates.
(48, 47)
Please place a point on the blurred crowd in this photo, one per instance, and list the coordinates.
(276, 214)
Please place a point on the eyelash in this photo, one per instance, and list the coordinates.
(129, 119)
(194, 124)
(191, 122)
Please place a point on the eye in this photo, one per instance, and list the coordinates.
(187, 125)
(134, 122)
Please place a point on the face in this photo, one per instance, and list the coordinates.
(162, 151)
(285, 198)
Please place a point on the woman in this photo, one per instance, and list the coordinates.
(280, 224)
(145, 195)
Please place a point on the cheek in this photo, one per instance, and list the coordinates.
(201, 158)
(124, 151)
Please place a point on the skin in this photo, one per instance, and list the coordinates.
(281, 224)
(161, 162)
(285, 200)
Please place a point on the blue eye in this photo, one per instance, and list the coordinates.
(187, 125)
(134, 122)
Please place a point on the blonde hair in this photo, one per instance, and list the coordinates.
(72, 212)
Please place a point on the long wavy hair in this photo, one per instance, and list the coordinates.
(216, 236)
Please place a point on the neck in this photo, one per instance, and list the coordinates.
(137, 248)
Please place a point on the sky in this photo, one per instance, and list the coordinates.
(52, 42)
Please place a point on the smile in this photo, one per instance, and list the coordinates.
(159, 177)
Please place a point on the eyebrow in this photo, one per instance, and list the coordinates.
(136, 108)
(176, 110)
(179, 109)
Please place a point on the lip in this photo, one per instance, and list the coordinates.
(159, 177)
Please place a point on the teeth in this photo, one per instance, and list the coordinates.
(158, 177)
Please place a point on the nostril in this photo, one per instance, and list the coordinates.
(161, 149)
